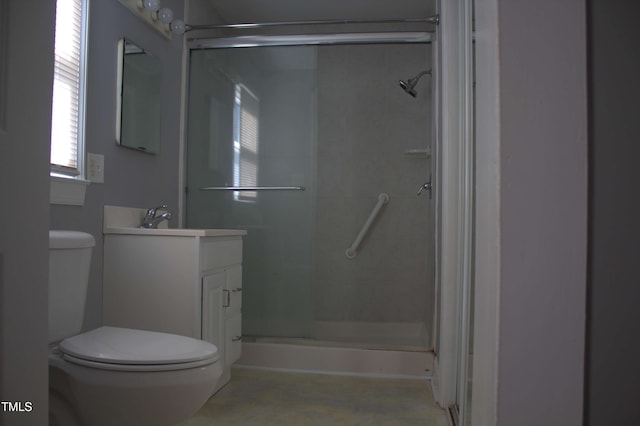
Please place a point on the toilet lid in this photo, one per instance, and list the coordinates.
(115, 345)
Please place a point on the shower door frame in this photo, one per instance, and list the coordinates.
(420, 37)
(453, 175)
(368, 38)
(452, 164)
(455, 195)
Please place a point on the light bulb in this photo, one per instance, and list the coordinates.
(151, 5)
(165, 15)
(178, 27)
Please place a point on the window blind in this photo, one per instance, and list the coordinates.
(246, 159)
(67, 113)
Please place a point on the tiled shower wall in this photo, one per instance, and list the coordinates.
(366, 122)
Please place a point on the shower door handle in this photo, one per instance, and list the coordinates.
(428, 186)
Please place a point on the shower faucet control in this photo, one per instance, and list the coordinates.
(427, 186)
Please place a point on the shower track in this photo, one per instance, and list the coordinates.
(434, 20)
(310, 39)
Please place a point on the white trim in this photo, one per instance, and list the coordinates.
(67, 191)
(456, 195)
(487, 210)
(465, 298)
(81, 144)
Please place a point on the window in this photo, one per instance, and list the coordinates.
(67, 115)
(245, 142)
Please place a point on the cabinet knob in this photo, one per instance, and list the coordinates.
(237, 290)
(236, 339)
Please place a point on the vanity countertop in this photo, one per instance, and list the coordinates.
(177, 232)
(127, 220)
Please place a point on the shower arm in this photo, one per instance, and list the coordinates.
(420, 74)
(413, 81)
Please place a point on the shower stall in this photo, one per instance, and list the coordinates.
(296, 143)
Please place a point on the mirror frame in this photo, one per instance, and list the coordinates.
(151, 145)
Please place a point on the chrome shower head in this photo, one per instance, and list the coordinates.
(408, 86)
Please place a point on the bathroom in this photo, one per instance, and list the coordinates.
(123, 169)
(129, 173)
(393, 144)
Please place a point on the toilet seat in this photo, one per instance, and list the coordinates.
(122, 349)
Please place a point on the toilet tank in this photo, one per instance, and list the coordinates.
(69, 260)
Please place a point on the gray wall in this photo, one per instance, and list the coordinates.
(132, 178)
(613, 350)
(532, 164)
(24, 188)
(543, 158)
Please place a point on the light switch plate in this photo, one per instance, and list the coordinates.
(95, 167)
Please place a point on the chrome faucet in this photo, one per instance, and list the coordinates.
(151, 220)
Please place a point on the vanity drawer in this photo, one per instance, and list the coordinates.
(219, 252)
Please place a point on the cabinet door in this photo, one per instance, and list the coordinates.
(234, 338)
(213, 287)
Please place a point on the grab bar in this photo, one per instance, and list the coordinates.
(253, 188)
(382, 200)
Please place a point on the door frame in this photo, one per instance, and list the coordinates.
(454, 216)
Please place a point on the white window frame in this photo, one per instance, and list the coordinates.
(68, 185)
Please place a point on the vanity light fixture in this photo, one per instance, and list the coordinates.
(160, 18)
(165, 15)
(149, 5)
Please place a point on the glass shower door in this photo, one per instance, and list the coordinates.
(251, 142)
(331, 119)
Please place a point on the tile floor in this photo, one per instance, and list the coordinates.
(258, 397)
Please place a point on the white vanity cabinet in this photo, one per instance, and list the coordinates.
(223, 289)
(183, 284)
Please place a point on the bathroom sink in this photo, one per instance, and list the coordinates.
(177, 232)
(127, 220)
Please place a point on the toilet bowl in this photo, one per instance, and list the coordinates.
(116, 376)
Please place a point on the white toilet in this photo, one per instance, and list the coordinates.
(116, 376)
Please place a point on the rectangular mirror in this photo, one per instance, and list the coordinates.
(139, 99)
